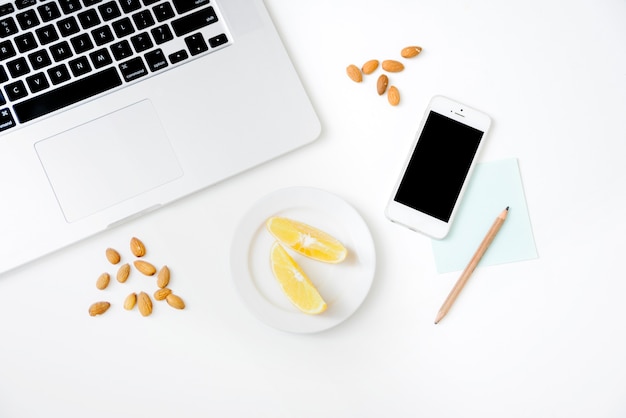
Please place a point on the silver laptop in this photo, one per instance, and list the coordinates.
(113, 108)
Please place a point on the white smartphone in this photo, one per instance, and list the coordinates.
(435, 175)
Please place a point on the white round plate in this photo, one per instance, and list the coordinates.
(343, 286)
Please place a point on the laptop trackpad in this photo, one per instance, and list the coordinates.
(108, 160)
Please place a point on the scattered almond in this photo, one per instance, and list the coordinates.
(130, 301)
(370, 66)
(144, 267)
(144, 303)
(175, 301)
(98, 308)
(354, 73)
(411, 51)
(393, 95)
(103, 281)
(161, 294)
(393, 66)
(123, 273)
(141, 299)
(381, 85)
(137, 247)
(113, 256)
(163, 278)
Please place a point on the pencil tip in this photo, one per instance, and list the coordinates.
(507, 208)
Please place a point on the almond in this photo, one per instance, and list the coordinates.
(369, 67)
(354, 73)
(98, 308)
(411, 51)
(163, 278)
(113, 256)
(381, 85)
(137, 247)
(161, 294)
(175, 301)
(144, 267)
(130, 301)
(144, 303)
(393, 66)
(123, 273)
(393, 95)
(103, 281)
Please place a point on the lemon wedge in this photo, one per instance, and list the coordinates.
(295, 283)
(307, 240)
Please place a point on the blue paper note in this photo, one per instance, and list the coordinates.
(493, 186)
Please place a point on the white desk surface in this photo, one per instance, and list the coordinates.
(541, 338)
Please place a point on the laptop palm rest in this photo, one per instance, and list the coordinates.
(107, 161)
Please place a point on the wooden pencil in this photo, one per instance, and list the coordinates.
(471, 266)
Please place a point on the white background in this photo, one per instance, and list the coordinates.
(541, 338)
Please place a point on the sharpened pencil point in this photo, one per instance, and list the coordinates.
(507, 208)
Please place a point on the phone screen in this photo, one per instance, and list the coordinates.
(438, 167)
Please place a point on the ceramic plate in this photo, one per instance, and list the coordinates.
(343, 286)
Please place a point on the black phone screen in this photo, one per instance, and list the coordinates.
(438, 167)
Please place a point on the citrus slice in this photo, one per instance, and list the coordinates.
(307, 240)
(295, 283)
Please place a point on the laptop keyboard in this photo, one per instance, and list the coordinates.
(55, 54)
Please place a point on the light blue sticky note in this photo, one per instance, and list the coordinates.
(493, 186)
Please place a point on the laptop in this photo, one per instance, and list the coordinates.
(110, 109)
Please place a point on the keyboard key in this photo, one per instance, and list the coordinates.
(6, 119)
(123, 27)
(47, 34)
(6, 9)
(79, 66)
(121, 50)
(130, 5)
(7, 27)
(178, 56)
(143, 19)
(102, 35)
(49, 11)
(23, 4)
(68, 26)
(163, 11)
(141, 42)
(16, 90)
(183, 6)
(6, 50)
(156, 60)
(100, 58)
(61, 51)
(27, 19)
(70, 6)
(18, 67)
(133, 69)
(59, 74)
(25, 42)
(67, 95)
(194, 21)
(196, 44)
(109, 11)
(37, 82)
(88, 19)
(39, 59)
(4, 77)
(218, 40)
(162, 34)
(81, 43)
